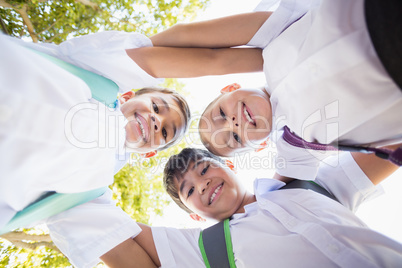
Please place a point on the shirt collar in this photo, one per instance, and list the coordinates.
(262, 186)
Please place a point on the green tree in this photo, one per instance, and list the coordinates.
(55, 21)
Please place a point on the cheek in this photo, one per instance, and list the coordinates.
(131, 131)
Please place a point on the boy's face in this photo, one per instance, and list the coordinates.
(154, 119)
(236, 122)
(211, 190)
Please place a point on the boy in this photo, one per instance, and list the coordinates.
(56, 137)
(284, 228)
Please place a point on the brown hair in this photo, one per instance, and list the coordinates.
(177, 167)
(181, 102)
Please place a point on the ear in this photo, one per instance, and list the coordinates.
(230, 165)
(230, 88)
(262, 146)
(197, 217)
(149, 154)
(126, 96)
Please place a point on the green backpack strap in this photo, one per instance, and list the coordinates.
(50, 205)
(103, 89)
(216, 248)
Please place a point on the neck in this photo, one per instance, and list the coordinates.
(248, 199)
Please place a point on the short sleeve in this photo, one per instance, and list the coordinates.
(86, 232)
(295, 162)
(178, 248)
(104, 53)
(287, 13)
(342, 177)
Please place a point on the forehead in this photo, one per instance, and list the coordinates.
(185, 168)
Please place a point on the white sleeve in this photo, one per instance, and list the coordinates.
(294, 162)
(287, 13)
(178, 248)
(342, 177)
(104, 53)
(88, 231)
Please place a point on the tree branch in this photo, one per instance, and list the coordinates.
(17, 238)
(3, 3)
(3, 26)
(18, 235)
(22, 10)
(27, 21)
(33, 246)
(88, 3)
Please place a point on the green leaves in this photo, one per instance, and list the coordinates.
(55, 21)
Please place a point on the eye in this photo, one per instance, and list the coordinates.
(222, 113)
(155, 107)
(164, 133)
(204, 170)
(236, 137)
(190, 192)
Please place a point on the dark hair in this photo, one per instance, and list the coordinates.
(181, 102)
(177, 167)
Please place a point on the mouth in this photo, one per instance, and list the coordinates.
(142, 123)
(248, 116)
(215, 193)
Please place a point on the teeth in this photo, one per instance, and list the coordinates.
(141, 127)
(214, 193)
(247, 115)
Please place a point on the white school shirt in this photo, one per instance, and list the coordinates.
(325, 81)
(39, 101)
(295, 228)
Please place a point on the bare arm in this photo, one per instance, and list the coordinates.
(375, 168)
(228, 31)
(162, 62)
(139, 252)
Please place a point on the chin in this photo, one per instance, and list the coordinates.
(135, 147)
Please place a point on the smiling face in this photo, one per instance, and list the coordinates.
(211, 189)
(236, 122)
(154, 120)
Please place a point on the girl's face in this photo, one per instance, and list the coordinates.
(154, 120)
(211, 190)
(236, 122)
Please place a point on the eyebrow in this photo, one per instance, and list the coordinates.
(182, 187)
(174, 131)
(164, 103)
(183, 184)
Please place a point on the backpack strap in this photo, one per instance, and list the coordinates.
(103, 89)
(52, 204)
(215, 244)
(394, 157)
(308, 185)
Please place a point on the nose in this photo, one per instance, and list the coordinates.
(235, 121)
(203, 185)
(156, 122)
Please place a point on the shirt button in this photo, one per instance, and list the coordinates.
(5, 113)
